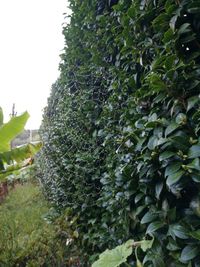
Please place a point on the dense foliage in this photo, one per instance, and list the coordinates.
(121, 129)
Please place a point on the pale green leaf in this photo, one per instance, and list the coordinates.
(11, 129)
(116, 256)
(189, 253)
(146, 244)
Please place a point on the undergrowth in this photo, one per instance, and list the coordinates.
(26, 239)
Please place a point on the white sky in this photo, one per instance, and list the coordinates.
(30, 44)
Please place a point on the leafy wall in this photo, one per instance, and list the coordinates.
(121, 129)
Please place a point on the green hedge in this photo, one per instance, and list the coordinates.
(121, 129)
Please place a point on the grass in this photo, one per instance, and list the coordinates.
(25, 238)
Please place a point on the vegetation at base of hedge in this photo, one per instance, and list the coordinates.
(121, 129)
(25, 238)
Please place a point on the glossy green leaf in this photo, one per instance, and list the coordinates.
(195, 234)
(177, 230)
(195, 164)
(154, 226)
(153, 142)
(174, 177)
(194, 152)
(192, 101)
(185, 27)
(189, 253)
(166, 155)
(148, 217)
(146, 244)
(158, 189)
(171, 128)
(172, 168)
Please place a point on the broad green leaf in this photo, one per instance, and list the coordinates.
(195, 164)
(116, 256)
(172, 168)
(189, 252)
(11, 129)
(195, 234)
(185, 27)
(154, 226)
(148, 217)
(192, 101)
(174, 177)
(166, 155)
(1, 116)
(177, 230)
(146, 244)
(153, 142)
(194, 152)
(138, 197)
(21, 153)
(171, 128)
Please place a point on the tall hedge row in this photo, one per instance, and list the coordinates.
(121, 129)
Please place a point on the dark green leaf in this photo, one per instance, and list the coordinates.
(192, 101)
(194, 152)
(195, 234)
(177, 230)
(148, 217)
(153, 142)
(166, 155)
(159, 187)
(154, 226)
(184, 28)
(195, 164)
(174, 178)
(172, 245)
(172, 168)
(171, 128)
(194, 10)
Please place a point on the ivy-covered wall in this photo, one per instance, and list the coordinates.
(121, 129)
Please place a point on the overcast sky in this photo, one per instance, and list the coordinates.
(30, 44)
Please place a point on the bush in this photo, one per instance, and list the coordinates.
(121, 129)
